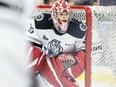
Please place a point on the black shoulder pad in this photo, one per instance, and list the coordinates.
(77, 29)
(43, 21)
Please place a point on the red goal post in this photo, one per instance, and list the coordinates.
(101, 21)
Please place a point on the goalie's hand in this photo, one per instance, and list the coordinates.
(67, 60)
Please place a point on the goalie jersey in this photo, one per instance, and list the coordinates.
(42, 33)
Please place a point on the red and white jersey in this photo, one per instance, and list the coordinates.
(42, 32)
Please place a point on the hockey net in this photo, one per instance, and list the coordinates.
(100, 68)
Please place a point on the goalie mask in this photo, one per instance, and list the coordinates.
(60, 13)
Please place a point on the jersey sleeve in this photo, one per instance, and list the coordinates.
(31, 33)
(80, 44)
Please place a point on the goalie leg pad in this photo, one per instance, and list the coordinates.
(35, 62)
(58, 67)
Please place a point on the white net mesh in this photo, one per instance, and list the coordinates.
(103, 54)
(103, 46)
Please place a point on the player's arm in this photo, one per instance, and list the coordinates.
(31, 33)
(80, 43)
(34, 45)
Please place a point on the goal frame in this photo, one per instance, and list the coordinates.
(88, 39)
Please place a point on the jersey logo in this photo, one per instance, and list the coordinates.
(54, 48)
(83, 27)
(44, 37)
(40, 17)
(31, 29)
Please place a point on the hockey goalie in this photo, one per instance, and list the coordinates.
(57, 46)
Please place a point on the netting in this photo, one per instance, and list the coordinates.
(103, 69)
(102, 49)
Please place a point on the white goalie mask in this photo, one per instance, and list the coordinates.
(60, 13)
